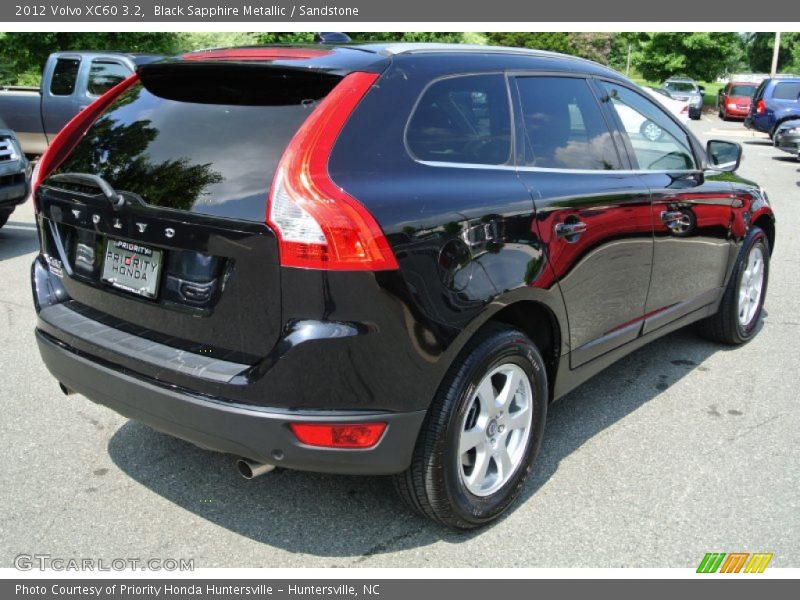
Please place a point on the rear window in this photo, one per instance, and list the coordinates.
(189, 145)
(679, 86)
(760, 90)
(787, 90)
(742, 90)
(65, 74)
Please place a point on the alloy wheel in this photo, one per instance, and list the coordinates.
(495, 430)
(751, 285)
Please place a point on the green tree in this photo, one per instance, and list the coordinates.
(759, 51)
(22, 55)
(554, 41)
(701, 55)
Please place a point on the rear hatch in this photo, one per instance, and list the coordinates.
(155, 222)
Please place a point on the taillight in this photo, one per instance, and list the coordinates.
(336, 435)
(761, 107)
(66, 139)
(318, 224)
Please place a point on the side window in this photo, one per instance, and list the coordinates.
(104, 75)
(658, 143)
(462, 120)
(788, 90)
(564, 126)
(64, 76)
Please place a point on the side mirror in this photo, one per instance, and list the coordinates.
(702, 89)
(723, 156)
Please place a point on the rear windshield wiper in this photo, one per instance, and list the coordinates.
(115, 198)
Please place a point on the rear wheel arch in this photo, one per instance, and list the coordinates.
(767, 224)
(541, 325)
(535, 318)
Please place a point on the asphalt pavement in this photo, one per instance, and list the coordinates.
(682, 448)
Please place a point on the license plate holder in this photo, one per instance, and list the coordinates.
(132, 267)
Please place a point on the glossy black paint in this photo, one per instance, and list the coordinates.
(473, 243)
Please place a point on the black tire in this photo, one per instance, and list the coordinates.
(4, 215)
(433, 485)
(725, 326)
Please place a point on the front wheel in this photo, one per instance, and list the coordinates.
(737, 318)
(482, 432)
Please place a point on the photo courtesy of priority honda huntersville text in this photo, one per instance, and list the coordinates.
(381, 258)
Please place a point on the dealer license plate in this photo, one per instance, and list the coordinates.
(132, 267)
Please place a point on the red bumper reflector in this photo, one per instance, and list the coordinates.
(336, 435)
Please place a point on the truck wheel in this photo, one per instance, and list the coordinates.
(738, 315)
(482, 432)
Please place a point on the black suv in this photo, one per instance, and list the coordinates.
(381, 259)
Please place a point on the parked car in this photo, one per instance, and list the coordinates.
(348, 260)
(735, 100)
(637, 124)
(787, 137)
(70, 82)
(776, 100)
(679, 108)
(14, 174)
(685, 88)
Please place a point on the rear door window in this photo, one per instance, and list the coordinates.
(564, 125)
(105, 74)
(787, 90)
(188, 144)
(65, 74)
(463, 119)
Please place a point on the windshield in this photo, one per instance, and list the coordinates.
(742, 90)
(679, 86)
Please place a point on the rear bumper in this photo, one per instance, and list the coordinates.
(251, 432)
(739, 113)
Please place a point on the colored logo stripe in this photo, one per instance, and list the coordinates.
(734, 562)
(758, 562)
(711, 562)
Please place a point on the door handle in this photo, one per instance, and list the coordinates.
(570, 231)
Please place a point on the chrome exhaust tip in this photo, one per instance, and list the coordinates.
(250, 469)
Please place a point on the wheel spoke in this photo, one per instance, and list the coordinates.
(518, 419)
(509, 390)
(474, 438)
(478, 475)
(502, 459)
(485, 395)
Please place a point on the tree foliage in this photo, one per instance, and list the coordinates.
(701, 55)
(759, 51)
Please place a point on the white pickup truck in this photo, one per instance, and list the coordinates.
(70, 81)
